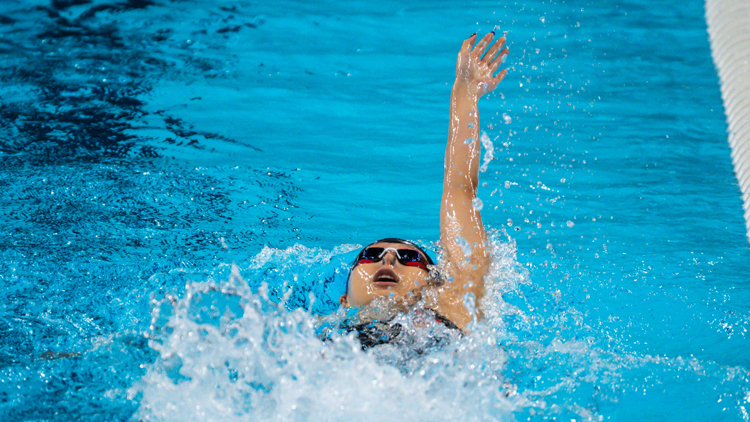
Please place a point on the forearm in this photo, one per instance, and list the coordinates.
(459, 218)
(462, 151)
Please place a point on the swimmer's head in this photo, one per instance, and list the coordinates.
(392, 268)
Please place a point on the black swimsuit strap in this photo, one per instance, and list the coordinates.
(372, 334)
(445, 321)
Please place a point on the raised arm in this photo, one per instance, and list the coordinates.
(461, 231)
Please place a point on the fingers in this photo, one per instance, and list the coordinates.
(477, 63)
(497, 61)
(479, 49)
(490, 56)
(500, 76)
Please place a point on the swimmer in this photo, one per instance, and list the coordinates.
(397, 272)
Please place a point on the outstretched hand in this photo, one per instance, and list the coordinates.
(475, 67)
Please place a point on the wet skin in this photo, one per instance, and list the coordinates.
(463, 271)
(389, 279)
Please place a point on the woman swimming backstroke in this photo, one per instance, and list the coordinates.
(398, 271)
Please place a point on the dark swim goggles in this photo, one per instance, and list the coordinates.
(408, 257)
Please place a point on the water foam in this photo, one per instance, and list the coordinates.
(246, 348)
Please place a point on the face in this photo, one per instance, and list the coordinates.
(386, 278)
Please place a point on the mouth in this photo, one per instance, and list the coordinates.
(385, 277)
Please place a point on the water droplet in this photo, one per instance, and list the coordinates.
(464, 245)
(477, 204)
(570, 223)
(507, 118)
(489, 151)
(470, 301)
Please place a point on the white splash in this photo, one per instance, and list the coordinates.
(489, 151)
(232, 351)
(228, 353)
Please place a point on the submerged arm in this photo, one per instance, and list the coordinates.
(461, 230)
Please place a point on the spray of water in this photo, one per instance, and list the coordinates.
(489, 151)
(246, 345)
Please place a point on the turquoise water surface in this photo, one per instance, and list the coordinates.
(185, 182)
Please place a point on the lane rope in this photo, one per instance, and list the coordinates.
(729, 32)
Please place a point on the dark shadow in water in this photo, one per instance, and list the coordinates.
(81, 239)
(74, 82)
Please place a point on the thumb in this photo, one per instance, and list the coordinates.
(469, 43)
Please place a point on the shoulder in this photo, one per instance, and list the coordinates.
(447, 298)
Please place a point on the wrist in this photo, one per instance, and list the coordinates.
(463, 88)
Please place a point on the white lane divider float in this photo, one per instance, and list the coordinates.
(729, 32)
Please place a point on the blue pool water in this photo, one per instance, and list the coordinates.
(183, 183)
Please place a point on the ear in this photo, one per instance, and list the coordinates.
(344, 300)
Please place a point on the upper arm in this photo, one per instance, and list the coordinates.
(465, 253)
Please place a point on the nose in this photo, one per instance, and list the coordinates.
(389, 258)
